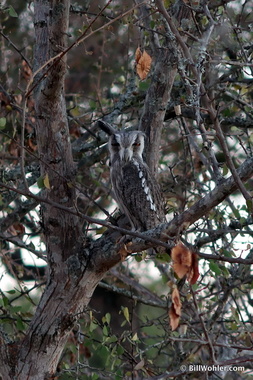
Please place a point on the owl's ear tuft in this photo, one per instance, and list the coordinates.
(106, 127)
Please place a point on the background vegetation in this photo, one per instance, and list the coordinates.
(195, 106)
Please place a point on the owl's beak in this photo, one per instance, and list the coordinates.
(127, 154)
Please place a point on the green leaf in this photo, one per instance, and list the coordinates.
(236, 213)
(225, 271)
(249, 205)
(144, 85)
(138, 258)
(226, 252)
(20, 324)
(126, 314)
(11, 291)
(105, 331)
(225, 170)
(103, 352)
(93, 326)
(111, 339)
(164, 257)
(2, 122)
(214, 268)
(135, 337)
(123, 323)
(120, 350)
(40, 182)
(107, 318)
(12, 11)
(15, 309)
(152, 24)
(195, 287)
(5, 301)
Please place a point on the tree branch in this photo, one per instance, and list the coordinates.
(166, 231)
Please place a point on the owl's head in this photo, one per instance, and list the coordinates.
(124, 146)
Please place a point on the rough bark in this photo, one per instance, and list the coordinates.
(70, 284)
(158, 93)
(74, 265)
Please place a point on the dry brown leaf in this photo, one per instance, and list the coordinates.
(194, 272)
(138, 54)
(175, 310)
(16, 229)
(182, 259)
(174, 318)
(176, 301)
(143, 63)
(30, 143)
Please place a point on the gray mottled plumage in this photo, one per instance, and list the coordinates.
(136, 191)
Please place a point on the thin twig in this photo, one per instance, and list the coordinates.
(129, 294)
(229, 160)
(54, 60)
(231, 63)
(87, 218)
(15, 48)
(22, 145)
(19, 243)
(179, 223)
(211, 349)
(207, 102)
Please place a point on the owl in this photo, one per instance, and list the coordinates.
(136, 190)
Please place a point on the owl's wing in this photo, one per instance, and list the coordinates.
(140, 196)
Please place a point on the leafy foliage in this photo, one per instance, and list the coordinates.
(128, 331)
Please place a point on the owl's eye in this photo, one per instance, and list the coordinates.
(115, 143)
(136, 144)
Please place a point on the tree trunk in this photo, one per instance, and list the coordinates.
(75, 266)
(70, 282)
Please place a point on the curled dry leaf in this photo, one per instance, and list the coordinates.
(138, 55)
(182, 259)
(176, 301)
(174, 319)
(194, 272)
(175, 310)
(143, 63)
(185, 262)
